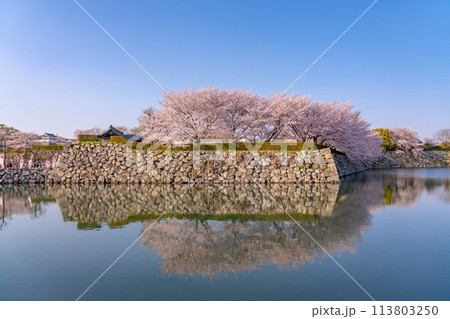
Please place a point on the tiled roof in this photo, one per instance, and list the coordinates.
(49, 135)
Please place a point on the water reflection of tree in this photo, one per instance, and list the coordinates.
(443, 193)
(22, 200)
(212, 248)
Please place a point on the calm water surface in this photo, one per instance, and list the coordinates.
(389, 229)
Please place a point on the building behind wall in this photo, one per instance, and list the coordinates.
(48, 139)
(112, 131)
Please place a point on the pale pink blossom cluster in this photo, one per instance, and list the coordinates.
(233, 115)
(406, 140)
(22, 140)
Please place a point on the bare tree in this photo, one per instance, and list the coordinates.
(442, 135)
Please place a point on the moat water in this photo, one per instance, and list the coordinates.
(388, 229)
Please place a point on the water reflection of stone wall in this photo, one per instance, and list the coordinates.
(120, 203)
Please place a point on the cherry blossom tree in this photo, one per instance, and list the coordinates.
(3, 138)
(333, 124)
(236, 114)
(5, 134)
(230, 114)
(275, 117)
(429, 141)
(22, 140)
(339, 126)
(90, 131)
(191, 115)
(311, 124)
(406, 140)
(156, 125)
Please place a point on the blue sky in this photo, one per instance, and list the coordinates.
(60, 72)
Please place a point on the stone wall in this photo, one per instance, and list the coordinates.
(23, 176)
(116, 163)
(39, 156)
(425, 159)
(393, 160)
(345, 167)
